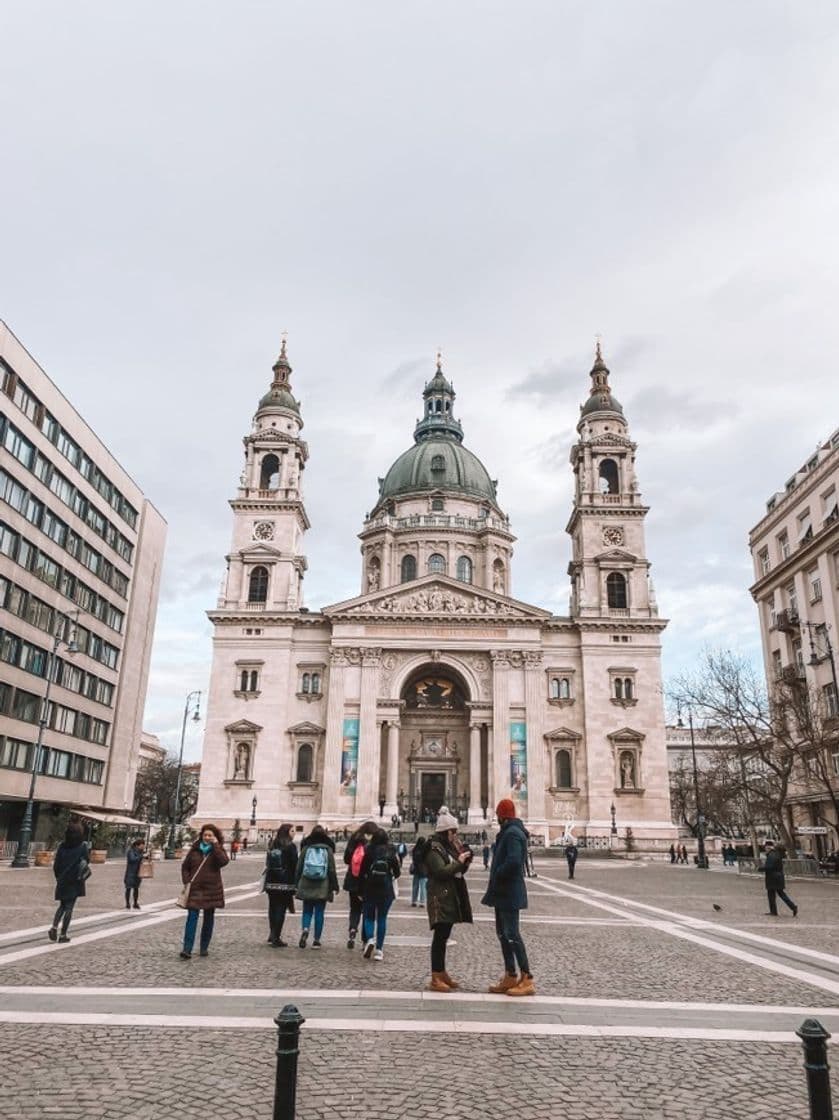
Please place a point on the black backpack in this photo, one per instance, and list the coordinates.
(380, 872)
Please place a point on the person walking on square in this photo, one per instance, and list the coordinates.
(280, 878)
(485, 854)
(234, 849)
(446, 862)
(419, 877)
(353, 857)
(571, 853)
(131, 879)
(507, 894)
(683, 854)
(672, 853)
(202, 868)
(773, 871)
(317, 882)
(71, 869)
(380, 866)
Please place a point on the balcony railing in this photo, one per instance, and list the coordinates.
(787, 620)
(437, 521)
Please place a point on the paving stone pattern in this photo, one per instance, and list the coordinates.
(141, 1074)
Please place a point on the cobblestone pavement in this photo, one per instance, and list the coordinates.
(594, 939)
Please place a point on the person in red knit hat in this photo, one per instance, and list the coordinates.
(507, 894)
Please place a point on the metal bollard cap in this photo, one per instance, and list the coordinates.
(811, 1030)
(289, 1019)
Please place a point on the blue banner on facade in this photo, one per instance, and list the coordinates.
(518, 760)
(349, 757)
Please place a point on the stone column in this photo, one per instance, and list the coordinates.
(392, 769)
(369, 748)
(534, 684)
(331, 779)
(498, 785)
(475, 815)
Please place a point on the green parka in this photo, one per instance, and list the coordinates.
(448, 897)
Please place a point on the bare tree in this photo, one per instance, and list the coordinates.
(726, 693)
(154, 792)
(806, 724)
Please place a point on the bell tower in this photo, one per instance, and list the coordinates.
(609, 569)
(265, 565)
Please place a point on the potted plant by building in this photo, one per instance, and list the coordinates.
(103, 838)
(158, 842)
(59, 819)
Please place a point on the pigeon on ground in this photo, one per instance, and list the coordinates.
(717, 906)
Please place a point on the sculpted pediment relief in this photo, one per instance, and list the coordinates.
(616, 556)
(436, 595)
(626, 735)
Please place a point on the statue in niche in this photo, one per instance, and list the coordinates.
(498, 581)
(627, 770)
(373, 579)
(240, 771)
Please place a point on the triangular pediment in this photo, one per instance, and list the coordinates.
(626, 735)
(260, 550)
(243, 727)
(562, 733)
(615, 556)
(306, 728)
(433, 596)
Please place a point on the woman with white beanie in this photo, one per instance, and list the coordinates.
(445, 861)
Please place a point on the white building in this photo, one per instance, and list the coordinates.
(80, 556)
(435, 684)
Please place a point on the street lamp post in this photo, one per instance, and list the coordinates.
(170, 847)
(702, 860)
(614, 830)
(21, 857)
(253, 813)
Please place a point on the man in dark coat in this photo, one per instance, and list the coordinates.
(773, 870)
(571, 853)
(507, 894)
(131, 879)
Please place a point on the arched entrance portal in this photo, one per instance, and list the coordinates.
(434, 743)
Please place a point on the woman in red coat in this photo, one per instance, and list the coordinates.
(202, 867)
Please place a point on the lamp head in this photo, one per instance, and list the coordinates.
(197, 717)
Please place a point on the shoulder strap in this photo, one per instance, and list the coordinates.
(200, 865)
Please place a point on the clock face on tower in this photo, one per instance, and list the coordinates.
(263, 531)
(613, 536)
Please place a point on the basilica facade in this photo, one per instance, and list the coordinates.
(435, 685)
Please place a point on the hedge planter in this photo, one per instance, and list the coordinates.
(98, 855)
(44, 859)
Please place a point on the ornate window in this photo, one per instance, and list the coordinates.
(438, 463)
(464, 569)
(249, 681)
(309, 680)
(305, 763)
(562, 766)
(622, 686)
(616, 590)
(437, 505)
(258, 584)
(409, 568)
(560, 685)
(437, 564)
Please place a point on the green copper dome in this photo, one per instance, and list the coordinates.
(279, 395)
(438, 460)
(438, 464)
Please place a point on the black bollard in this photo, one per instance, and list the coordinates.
(289, 1021)
(814, 1039)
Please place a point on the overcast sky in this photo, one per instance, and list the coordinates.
(183, 181)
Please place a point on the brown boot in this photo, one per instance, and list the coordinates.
(438, 983)
(524, 987)
(504, 984)
(453, 984)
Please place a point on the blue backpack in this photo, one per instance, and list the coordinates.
(316, 863)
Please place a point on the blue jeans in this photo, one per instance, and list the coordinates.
(512, 946)
(206, 929)
(319, 911)
(375, 910)
(418, 888)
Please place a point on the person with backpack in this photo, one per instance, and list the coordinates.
(419, 882)
(71, 868)
(317, 882)
(379, 868)
(446, 862)
(353, 858)
(131, 879)
(280, 879)
(401, 851)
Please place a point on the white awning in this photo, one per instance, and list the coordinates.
(106, 817)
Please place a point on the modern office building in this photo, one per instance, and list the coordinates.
(435, 684)
(81, 550)
(795, 551)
